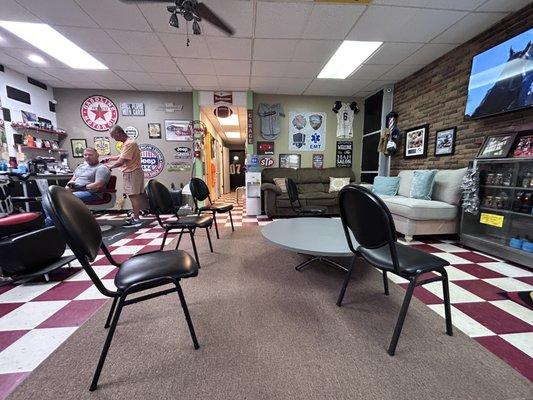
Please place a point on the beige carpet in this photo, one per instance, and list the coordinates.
(269, 332)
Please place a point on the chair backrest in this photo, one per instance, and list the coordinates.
(368, 218)
(111, 184)
(292, 190)
(159, 198)
(199, 190)
(75, 223)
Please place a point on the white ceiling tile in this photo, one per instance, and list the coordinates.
(467, 5)
(156, 64)
(196, 66)
(273, 49)
(315, 50)
(59, 12)
(213, 87)
(115, 14)
(22, 55)
(91, 39)
(400, 71)
(229, 48)
(263, 85)
(369, 71)
(238, 14)
(298, 69)
(393, 53)
(202, 81)
(66, 74)
(234, 82)
(170, 79)
(403, 24)
(35, 73)
(103, 77)
(468, 27)
(292, 85)
(121, 62)
(329, 21)
(177, 45)
(9, 61)
(503, 5)
(329, 87)
(140, 43)
(269, 68)
(149, 87)
(119, 86)
(12, 11)
(281, 20)
(232, 67)
(136, 78)
(377, 85)
(428, 53)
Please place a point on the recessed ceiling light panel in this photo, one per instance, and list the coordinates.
(232, 120)
(233, 135)
(350, 55)
(51, 42)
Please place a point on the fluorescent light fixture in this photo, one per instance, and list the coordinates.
(50, 41)
(36, 59)
(233, 135)
(232, 120)
(350, 55)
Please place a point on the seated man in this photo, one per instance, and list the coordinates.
(89, 178)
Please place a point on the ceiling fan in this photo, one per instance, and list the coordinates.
(191, 11)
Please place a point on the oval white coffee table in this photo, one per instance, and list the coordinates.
(318, 237)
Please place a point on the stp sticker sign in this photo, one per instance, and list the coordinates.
(266, 162)
(152, 160)
(99, 113)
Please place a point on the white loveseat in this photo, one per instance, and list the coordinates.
(440, 215)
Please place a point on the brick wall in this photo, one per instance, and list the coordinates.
(436, 95)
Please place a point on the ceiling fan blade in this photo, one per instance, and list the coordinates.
(205, 12)
(146, 1)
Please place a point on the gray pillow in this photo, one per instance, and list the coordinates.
(447, 185)
(406, 177)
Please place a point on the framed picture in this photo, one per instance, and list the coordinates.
(343, 154)
(289, 161)
(28, 116)
(265, 148)
(102, 144)
(178, 131)
(318, 161)
(445, 142)
(154, 130)
(497, 146)
(524, 148)
(416, 142)
(78, 146)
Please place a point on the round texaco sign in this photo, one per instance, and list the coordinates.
(99, 113)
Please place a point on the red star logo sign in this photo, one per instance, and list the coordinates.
(99, 113)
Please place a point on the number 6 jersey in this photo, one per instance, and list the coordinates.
(345, 116)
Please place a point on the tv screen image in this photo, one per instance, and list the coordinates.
(501, 78)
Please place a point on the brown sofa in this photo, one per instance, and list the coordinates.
(313, 189)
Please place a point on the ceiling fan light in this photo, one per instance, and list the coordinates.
(196, 28)
(173, 21)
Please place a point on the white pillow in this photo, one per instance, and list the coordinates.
(336, 184)
(280, 182)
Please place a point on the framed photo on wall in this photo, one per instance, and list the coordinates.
(154, 130)
(265, 148)
(445, 142)
(497, 146)
(178, 131)
(318, 161)
(416, 142)
(78, 146)
(289, 161)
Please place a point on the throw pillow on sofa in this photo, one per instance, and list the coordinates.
(336, 184)
(280, 182)
(386, 185)
(422, 184)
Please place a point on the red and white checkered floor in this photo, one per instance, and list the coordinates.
(35, 318)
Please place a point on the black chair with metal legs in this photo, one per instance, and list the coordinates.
(200, 192)
(161, 202)
(311, 211)
(370, 221)
(140, 273)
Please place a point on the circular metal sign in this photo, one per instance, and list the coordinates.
(99, 113)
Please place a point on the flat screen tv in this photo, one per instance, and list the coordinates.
(501, 78)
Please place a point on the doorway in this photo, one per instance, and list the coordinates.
(236, 169)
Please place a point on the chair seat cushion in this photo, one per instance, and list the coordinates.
(410, 259)
(218, 207)
(198, 221)
(18, 223)
(420, 210)
(176, 264)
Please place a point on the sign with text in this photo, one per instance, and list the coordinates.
(343, 156)
(491, 219)
(307, 131)
(265, 148)
(250, 126)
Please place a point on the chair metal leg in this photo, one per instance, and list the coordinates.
(447, 307)
(107, 343)
(346, 280)
(216, 225)
(187, 316)
(110, 315)
(385, 283)
(191, 232)
(401, 317)
(209, 239)
(231, 220)
(179, 239)
(164, 240)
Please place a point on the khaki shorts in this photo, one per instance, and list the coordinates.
(134, 182)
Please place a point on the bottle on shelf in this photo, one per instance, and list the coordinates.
(526, 180)
(508, 177)
(517, 203)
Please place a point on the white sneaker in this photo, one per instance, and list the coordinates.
(132, 223)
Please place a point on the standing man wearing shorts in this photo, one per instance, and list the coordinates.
(129, 162)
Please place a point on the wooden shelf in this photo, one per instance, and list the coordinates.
(506, 187)
(42, 149)
(14, 125)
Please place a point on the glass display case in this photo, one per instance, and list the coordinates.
(504, 225)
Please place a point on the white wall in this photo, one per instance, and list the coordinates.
(39, 101)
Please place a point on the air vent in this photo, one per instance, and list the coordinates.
(37, 83)
(51, 106)
(17, 94)
(1, 68)
(6, 114)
